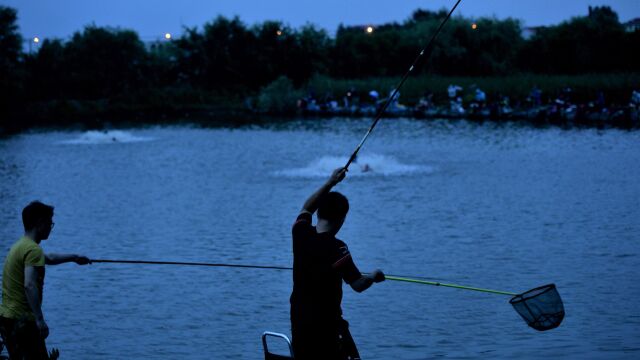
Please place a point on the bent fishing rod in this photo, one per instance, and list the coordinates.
(426, 50)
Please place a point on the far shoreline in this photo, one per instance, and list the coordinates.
(234, 118)
(591, 101)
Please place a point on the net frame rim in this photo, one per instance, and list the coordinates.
(521, 297)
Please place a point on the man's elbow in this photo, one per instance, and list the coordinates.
(30, 286)
(51, 259)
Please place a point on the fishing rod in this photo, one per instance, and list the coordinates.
(434, 283)
(426, 50)
(189, 264)
(411, 279)
(416, 279)
(541, 308)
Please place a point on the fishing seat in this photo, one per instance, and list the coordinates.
(271, 356)
(2, 357)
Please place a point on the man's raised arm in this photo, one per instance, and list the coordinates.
(312, 203)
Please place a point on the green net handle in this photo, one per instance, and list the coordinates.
(434, 283)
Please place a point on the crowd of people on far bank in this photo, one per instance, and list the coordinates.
(474, 103)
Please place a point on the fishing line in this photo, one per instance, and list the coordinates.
(542, 307)
(426, 50)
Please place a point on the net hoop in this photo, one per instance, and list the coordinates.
(541, 307)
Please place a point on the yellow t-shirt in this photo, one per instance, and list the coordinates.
(25, 252)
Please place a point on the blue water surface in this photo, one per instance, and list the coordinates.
(496, 206)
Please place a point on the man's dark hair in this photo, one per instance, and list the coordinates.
(333, 206)
(35, 212)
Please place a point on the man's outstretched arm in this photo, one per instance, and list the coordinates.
(312, 203)
(55, 259)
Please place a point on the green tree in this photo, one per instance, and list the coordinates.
(219, 58)
(103, 62)
(278, 97)
(11, 71)
(273, 43)
(489, 49)
(593, 43)
(309, 55)
(357, 53)
(46, 71)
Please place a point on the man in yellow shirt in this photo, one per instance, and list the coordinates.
(22, 323)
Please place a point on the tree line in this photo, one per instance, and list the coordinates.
(231, 59)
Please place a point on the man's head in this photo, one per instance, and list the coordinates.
(37, 219)
(333, 209)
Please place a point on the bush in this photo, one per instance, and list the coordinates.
(278, 97)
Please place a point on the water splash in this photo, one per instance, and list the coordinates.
(366, 165)
(105, 137)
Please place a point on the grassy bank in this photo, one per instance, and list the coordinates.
(145, 106)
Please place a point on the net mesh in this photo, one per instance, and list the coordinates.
(541, 307)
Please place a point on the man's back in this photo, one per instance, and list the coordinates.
(320, 263)
(25, 252)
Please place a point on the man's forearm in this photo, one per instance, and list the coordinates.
(363, 283)
(33, 298)
(55, 259)
(312, 203)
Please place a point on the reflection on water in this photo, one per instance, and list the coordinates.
(105, 137)
(370, 164)
(492, 206)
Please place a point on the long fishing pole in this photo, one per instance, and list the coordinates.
(189, 264)
(541, 308)
(388, 277)
(434, 283)
(426, 50)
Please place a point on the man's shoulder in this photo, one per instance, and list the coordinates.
(27, 245)
(339, 242)
(333, 244)
(304, 217)
(302, 227)
(27, 250)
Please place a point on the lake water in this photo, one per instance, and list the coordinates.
(496, 206)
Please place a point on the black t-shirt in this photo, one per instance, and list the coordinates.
(320, 263)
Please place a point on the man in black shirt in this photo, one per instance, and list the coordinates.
(320, 263)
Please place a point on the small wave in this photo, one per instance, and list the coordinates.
(105, 137)
(366, 165)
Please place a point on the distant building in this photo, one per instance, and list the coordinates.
(531, 31)
(632, 25)
(367, 29)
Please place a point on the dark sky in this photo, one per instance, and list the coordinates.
(152, 18)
